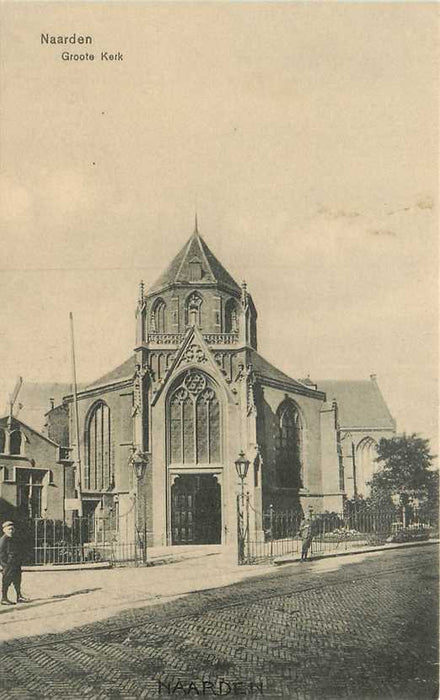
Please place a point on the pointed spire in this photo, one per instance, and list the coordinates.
(141, 292)
(244, 293)
(195, 250)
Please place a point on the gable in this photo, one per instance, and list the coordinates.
(194, 353)
(360, 403)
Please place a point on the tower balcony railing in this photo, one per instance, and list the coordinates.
(177, 338)
(165, 338)
(221, 338)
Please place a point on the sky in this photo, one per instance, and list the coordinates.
(305, 135)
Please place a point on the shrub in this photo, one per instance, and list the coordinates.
(411, 535)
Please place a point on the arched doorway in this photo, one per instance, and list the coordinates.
(195, 509)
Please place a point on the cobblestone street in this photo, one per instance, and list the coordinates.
(361, 627)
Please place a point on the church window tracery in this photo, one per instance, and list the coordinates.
(194, 421)
(231, 321)
(98, 473)
(158, 316)
(366, 465)
(2, 440)
(288, 445)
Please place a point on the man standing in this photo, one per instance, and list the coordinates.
(10, 560)
(305, 531)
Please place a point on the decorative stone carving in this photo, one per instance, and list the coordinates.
(195, 382)
(140, 372)
(164, 338)
(194, 353)
(250, 395)
(221, 338)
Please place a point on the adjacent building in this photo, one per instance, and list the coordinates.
(36, 475)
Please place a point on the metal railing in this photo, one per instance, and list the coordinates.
(330, 532)
(101, 537)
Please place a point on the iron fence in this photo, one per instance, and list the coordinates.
(87, 539)
(330, 532)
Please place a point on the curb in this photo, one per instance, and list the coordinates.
(68, 567)
(347, 552)
(159, 561)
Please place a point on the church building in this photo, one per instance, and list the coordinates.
(160, 434)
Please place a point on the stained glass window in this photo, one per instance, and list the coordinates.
(158, 317)
(194, 420)
(231, 322)
(288, 460)
(98, 472)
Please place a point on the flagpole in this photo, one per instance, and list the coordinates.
(75, 403)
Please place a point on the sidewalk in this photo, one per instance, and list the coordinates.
(65, 600)
(156, 556)
(295, 557)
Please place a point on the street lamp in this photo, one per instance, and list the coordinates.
(139, 461)
(242, 467)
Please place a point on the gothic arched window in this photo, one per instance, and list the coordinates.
(193, 310)
(366, 465)
(194, 421)
(98, 472)
(231, 321)
(15, 444)
(2, 440)
(158, 317)
(289, 438)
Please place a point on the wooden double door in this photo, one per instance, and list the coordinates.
(196, 509)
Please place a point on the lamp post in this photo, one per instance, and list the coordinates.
(139, 461)
(242, 467)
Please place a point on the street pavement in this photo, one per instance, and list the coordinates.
(361, 626)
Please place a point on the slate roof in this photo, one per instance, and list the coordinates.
(178, 271)
(121, 372)
(265, 370)
(360, 403)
